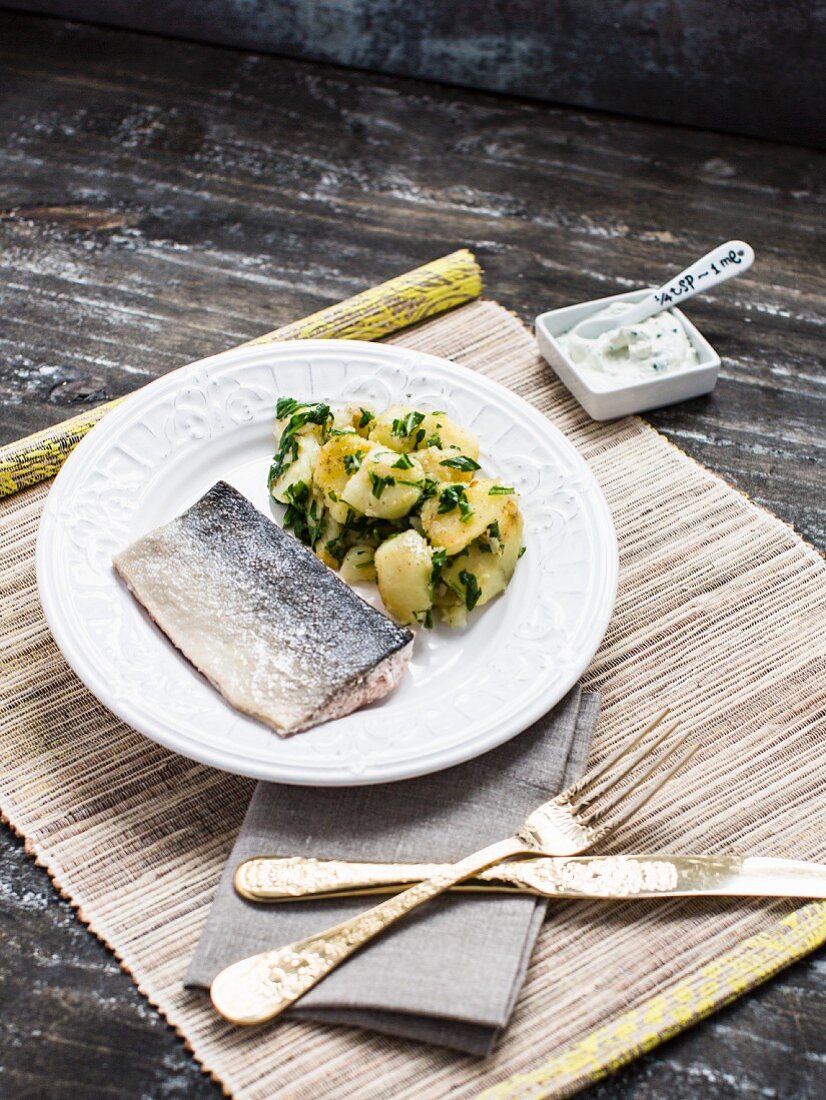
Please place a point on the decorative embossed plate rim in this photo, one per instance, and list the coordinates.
(466, 691)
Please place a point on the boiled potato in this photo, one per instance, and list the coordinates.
(432, 461)
(404, 567)
(331, 471)
(488, 570)
(380, 488)
(424, 429)
(299, 470)
(358, 565)
(354, 418)
(387, 428)
(490, 559)
(452, 610)
(508, 520)
(374, 497)
(451, 529)
(441, 431)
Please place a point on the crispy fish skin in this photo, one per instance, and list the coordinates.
(277, 632)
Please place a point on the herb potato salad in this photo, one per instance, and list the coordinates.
(398, 498)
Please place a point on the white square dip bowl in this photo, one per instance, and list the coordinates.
(614, 400)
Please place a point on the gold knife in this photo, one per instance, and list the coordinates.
(294, 878)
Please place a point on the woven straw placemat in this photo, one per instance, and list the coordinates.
(720, 614)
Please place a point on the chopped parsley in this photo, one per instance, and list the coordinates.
(353, 462)
(500, 491)
(336, 548)
(285, 406)
(315, 523)
(461, 462)
(439, 561)
(297, 493)
(365, 418)
(299, 415)
(472, 590)
(433, 441)
(405, 426)
(429, 488)
(380, 483)
(454, 496)
(303, 515)
(493, 530)
(522, 550)
(456, 589)
(404, 463)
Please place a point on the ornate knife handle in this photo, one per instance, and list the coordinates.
(285, 878)
(290, 878)
(262, 986)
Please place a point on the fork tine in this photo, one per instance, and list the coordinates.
(610, 781)
(649, 791)
(590, 777)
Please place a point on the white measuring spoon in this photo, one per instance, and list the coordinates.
(723, 262)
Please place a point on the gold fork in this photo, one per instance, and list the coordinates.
(262, 986)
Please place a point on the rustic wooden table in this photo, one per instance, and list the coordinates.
(160, 201)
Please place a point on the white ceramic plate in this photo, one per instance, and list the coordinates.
(466, 691)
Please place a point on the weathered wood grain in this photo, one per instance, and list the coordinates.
(698, 62)
(161, 201)
(72, 1023)
(165, 200)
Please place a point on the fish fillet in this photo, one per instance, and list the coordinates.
(277, 632)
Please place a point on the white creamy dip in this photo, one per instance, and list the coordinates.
(634, 353)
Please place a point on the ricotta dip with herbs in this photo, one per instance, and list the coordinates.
(630, 353)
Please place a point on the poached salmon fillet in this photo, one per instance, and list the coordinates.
(277, 632)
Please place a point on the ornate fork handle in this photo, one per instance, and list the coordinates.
(261, 987)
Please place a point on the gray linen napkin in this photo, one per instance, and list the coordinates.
(449, 974)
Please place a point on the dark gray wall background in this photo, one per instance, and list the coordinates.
(754, 67)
